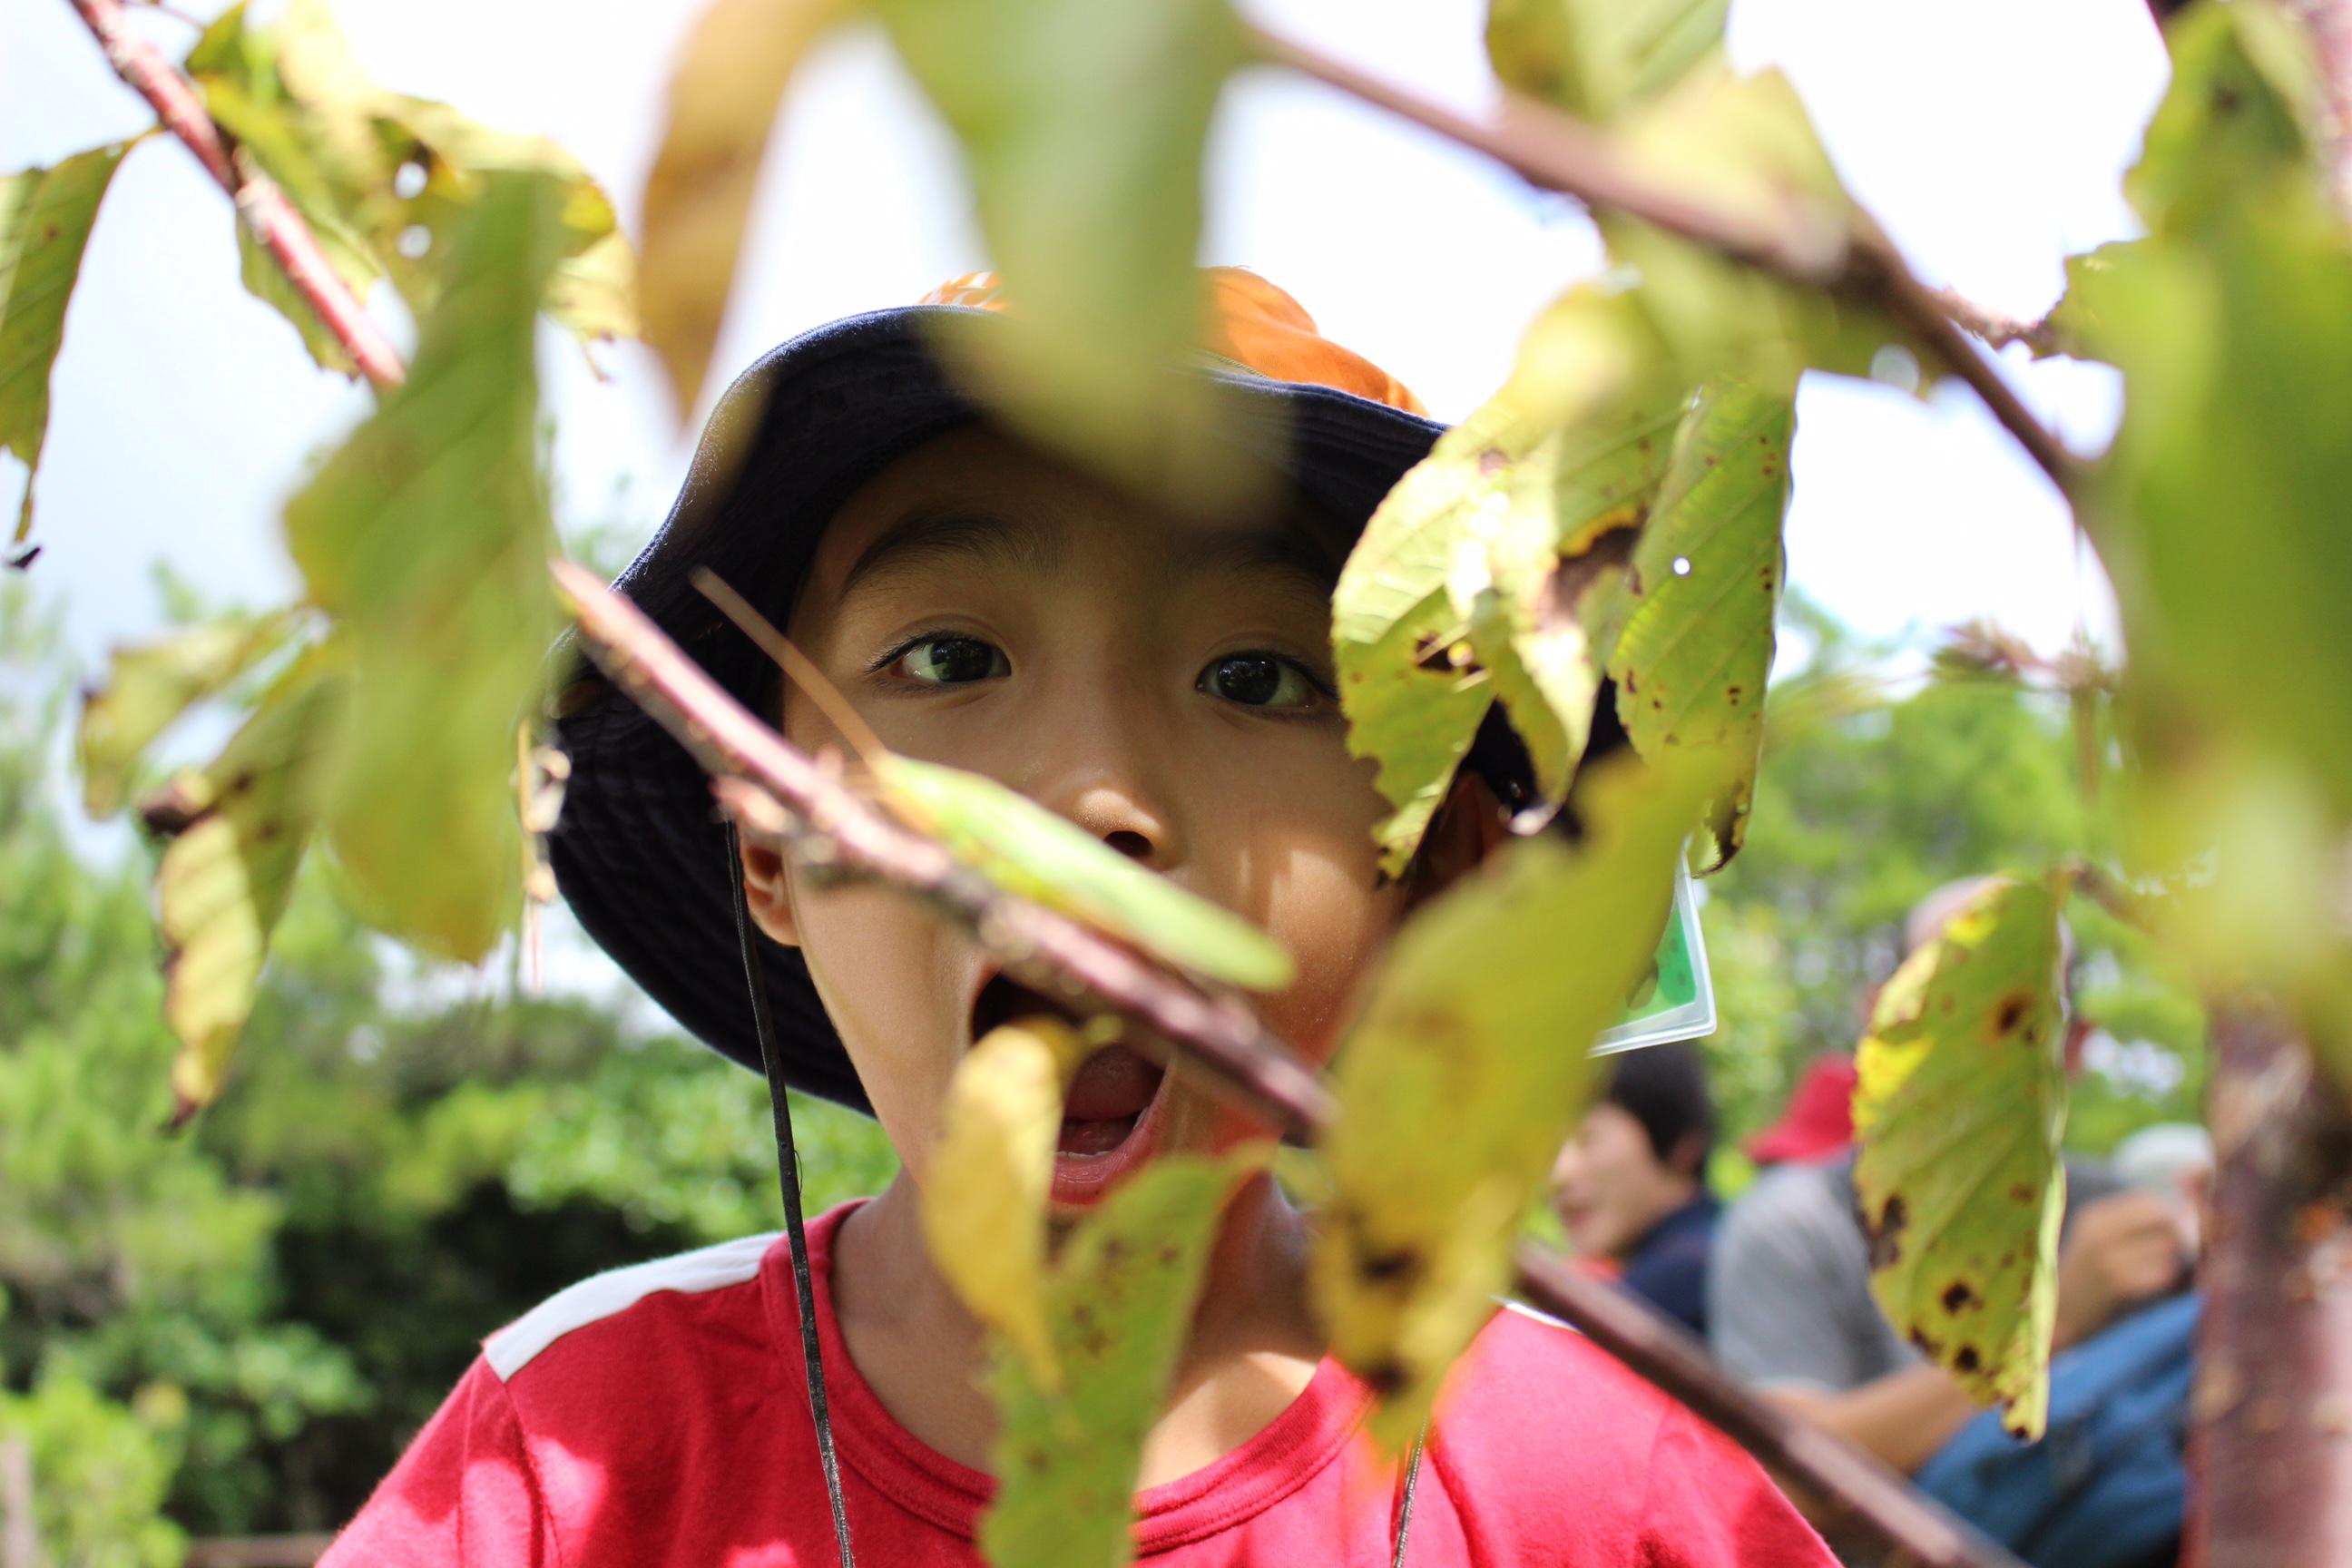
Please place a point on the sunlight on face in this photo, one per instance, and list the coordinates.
(1164, 681)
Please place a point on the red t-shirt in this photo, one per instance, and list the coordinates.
(657, 1417)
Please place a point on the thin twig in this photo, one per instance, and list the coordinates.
(273, 219)
(777, 792)
(1995, 328)
(1857, 1495)
(1818, 248)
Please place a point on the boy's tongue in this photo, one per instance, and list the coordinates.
(1112, 1088)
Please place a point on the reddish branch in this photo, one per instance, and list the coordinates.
(263, 206)
(2271, 1430)
(776, 791)
(1823, 250)
(2329, 22)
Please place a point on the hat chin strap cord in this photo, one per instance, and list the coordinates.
(788, 1174)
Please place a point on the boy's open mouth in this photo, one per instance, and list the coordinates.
(1107, 1121)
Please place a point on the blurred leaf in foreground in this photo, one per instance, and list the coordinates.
(45, 221)
(1036, 854)
(1595, 58)
(2221, 507)
(1701, 594)
(428, 538)
(1084, 127)
(150, 685)
(1469, 1068)
(1958, 1114)
(986, 1184)
(237, 830)
(1119, 1304)
(724, 94)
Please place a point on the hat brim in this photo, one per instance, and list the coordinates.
(639, 853)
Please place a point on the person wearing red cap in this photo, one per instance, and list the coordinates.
(1161, 675)
(1817, 1124)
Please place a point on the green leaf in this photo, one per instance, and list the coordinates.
(45, 221)
(150, 685)
(1032, 852)
(428, 538)
(986, 1184)
(1959, 1111)
(2244, 107)
(723, 96)
(1596, 59)
(389, 181)
(237, 830)
(1701, 596)
(1119, 1305)
(1084, 127)
(1468, 1069)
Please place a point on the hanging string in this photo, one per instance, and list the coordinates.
(788, 1173)
(1404, 1509)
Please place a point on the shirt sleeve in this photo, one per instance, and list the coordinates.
(464, 1493)
(1775, 1309)
(1709, 1505)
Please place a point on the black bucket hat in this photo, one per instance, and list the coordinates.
(639, 852)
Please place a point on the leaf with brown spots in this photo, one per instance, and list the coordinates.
(237, 829)
(1490, 568)
(1958, 1114)
(1701, 600)
(1470, 1066)
(1117, 1304)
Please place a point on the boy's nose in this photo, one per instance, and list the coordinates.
(1123, 818)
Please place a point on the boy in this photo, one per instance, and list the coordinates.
(1163, 679)
(1631, 1185)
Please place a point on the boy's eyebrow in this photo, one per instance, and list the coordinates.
(928, 536)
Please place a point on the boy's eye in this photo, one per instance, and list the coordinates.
(952, 661)
(1260, 681)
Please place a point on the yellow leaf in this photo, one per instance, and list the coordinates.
(724, 97)
(1959, 1111)
(986, 1185)
(237, 830)
(150, 685)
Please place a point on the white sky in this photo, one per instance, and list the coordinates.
(1989, 137)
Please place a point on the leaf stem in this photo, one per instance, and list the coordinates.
(1562, 153)
(265, 209)
(776, 791)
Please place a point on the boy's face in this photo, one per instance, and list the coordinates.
(1164, 681)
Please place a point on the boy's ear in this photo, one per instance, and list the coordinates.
(767, 894)
(1465, 831)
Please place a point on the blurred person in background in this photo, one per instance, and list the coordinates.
(1817, 1124)
(1631, 1185)
(1790, 1312)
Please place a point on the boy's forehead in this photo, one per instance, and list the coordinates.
(977, 500)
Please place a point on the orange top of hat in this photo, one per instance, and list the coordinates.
(1246, 320)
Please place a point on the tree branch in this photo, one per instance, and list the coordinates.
(1562, 153)
(778, 792)
(1995, 328)
(264, 208)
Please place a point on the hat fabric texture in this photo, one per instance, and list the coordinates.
(639, 852)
